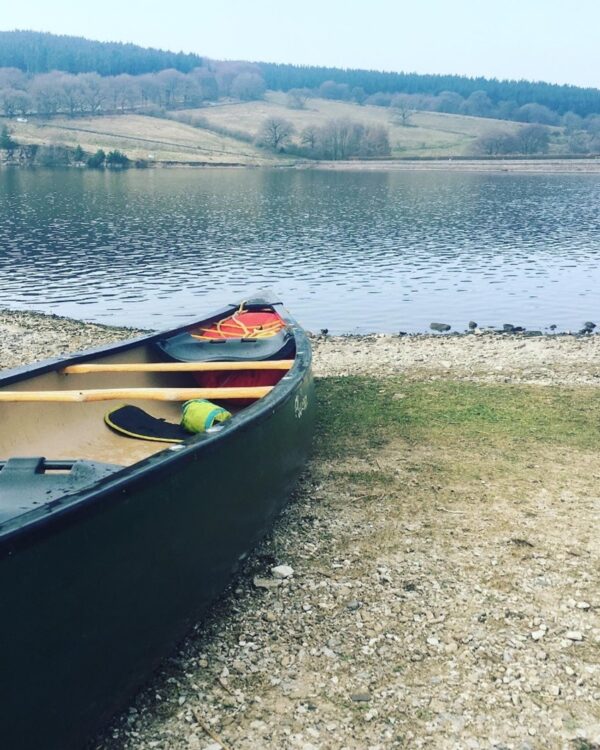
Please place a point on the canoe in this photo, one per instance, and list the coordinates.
(111, 546)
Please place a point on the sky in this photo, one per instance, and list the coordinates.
(549, 40)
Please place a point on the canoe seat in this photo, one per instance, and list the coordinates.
(28, 483)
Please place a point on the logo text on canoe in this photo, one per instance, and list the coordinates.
(300, 405)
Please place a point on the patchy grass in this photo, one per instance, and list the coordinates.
(151, 138)
(428, 133)
(362, 412)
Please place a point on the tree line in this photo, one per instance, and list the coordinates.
(338, 138)
(39, 52)
(35, 53)
(558, 98)
(72, 94)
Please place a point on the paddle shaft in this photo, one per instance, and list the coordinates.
(146, 394)
(276, 364)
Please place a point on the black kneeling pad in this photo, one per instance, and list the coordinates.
(135, 422)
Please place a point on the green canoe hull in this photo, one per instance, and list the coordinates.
(93, 599)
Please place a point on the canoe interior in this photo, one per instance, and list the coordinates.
(77, 430)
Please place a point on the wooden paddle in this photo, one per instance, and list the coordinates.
(276, 364)
(146, 394)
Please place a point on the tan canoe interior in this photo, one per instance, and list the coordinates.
(77, 430)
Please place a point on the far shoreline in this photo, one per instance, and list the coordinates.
(582, 166)
(458, 164)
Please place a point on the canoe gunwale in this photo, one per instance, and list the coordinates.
(28, 527)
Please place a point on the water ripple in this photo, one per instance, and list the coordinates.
(347, 251)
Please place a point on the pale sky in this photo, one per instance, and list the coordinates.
(550, 40)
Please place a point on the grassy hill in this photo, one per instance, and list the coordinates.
(428, 134)
(140, 137)
(227, 129)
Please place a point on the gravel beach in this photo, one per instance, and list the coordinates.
(458, 614)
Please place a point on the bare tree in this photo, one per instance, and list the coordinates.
(275, 133)
(73, 93)
(172, 82)
(533, 139)
(248, 86)
(496, 143)
(402, 109)
(309, 137)
(207, 83)
(94, 92)
(47, 92)
(297, 98)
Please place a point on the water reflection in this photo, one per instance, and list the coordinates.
(349, 251)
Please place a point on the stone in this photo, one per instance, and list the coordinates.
(282, 571)
(440, 327)
(266, 583)
(353, 605)
(361, 697)
(583, 605)
(472, 325)
(574, 635)
(538, 634)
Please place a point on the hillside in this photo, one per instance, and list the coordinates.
(428, 134)
(223, 133)
(151, 139)
(33, 52)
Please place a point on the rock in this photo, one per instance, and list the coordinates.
(574, 635)
(353, 605)
(361, 697)
(440, 327)
(270, 617)
(508, 327)
(538, 634)
(266, 583)
(282, 571)
(583, 605)
(472, 325)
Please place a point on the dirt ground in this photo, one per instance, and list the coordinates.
(445, 560)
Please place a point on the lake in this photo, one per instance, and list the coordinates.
(354, 252)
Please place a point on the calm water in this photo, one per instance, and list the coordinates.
(353, 252)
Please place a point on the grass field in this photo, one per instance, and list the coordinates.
(140, 137)
(427, 134)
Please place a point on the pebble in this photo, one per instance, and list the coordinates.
(266, 583)
(574, 635)
(538, 634)
(282, 571)
(361, 697)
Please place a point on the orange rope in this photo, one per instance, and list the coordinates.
(233, 327)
